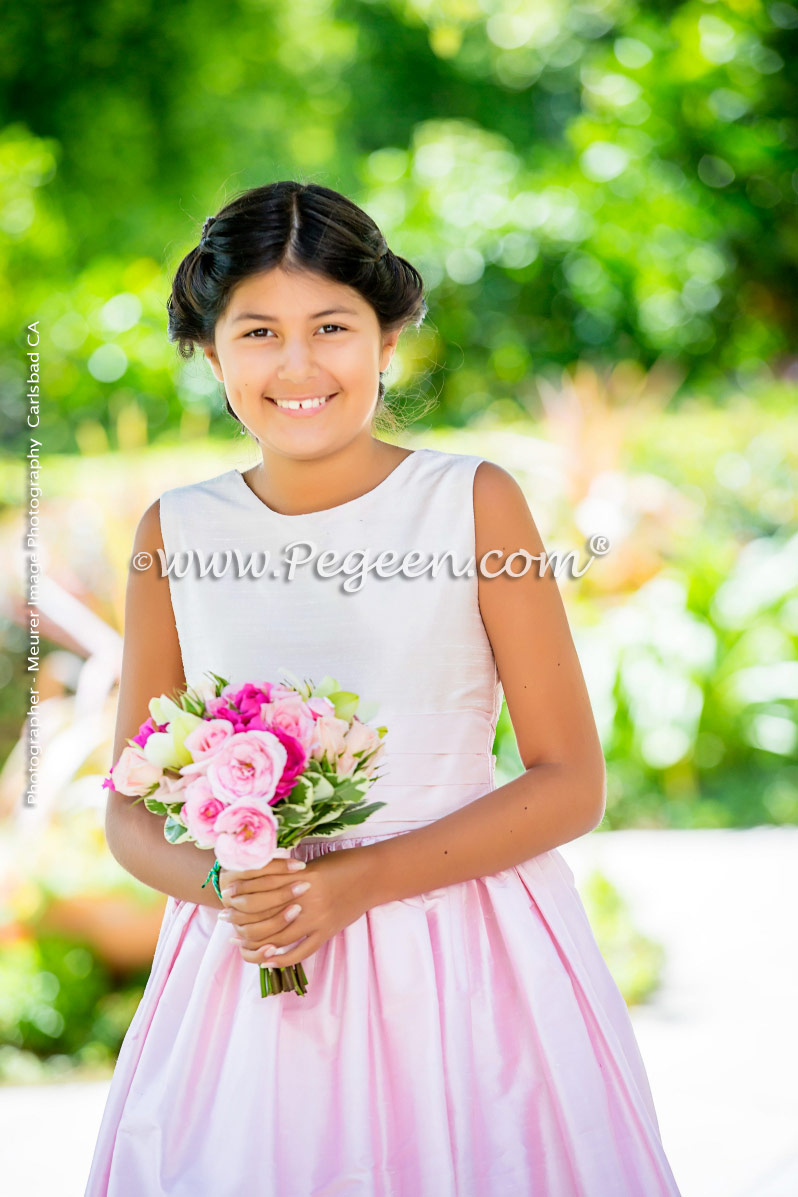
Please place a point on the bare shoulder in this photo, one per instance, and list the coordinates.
(149, 534)
(151, 658)
(501, 512)
(492, 479)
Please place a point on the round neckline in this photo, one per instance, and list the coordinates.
(349, 505)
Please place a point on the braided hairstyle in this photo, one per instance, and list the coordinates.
(295, 226)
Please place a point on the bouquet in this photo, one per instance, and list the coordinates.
(248, 771)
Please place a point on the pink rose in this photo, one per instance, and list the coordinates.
(320, 706)
(247, 767)
(330, 731)
(290, 712)
(133, 774)
(246, 837)
(364, 739)
(171, 786)
(200, 812)
(346, 764)
(205, 741)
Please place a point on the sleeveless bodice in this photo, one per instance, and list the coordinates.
(403, 635)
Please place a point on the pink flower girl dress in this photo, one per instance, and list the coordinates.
(467, 1042)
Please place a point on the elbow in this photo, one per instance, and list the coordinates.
(596, 801)
(583, 790)
(116, 836)
(589, 785)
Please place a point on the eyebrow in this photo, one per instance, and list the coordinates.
(275, 319)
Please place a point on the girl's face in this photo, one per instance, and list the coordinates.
(300, 336)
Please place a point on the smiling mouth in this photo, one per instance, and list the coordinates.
(300, 405)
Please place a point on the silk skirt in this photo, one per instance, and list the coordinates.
(466, 1042)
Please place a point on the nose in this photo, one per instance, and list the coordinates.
(296, 362)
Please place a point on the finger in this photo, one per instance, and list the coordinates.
(278, 934)
(234, 883)
(246, 908)
(309, 945)
(278, 865)
(277, 930)
(249, 908)
(292, 941)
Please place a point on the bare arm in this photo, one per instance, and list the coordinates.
(151, 665)
(562, 793)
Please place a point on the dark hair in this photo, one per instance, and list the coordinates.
(297, 226)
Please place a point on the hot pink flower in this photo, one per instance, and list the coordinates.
(248, 767)
(246, 837)
(247, 702)
(297, 759)
(147, 728)
(250, 698)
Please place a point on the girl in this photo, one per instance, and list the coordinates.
(461, 1035)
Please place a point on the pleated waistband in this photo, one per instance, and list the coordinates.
(432, 764)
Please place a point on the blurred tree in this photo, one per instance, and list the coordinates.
(606, 180)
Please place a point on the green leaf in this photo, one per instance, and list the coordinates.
(157, 808)
(323, 788)
(175, 832)
(321, 818)
(301, 794)
(327, 686)
(352, 790)
(293, 816)
(328, 829)
(221, 682)
(358, 814)
(345, 703)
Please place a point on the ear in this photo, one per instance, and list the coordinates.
(388, 349)
(210, 354)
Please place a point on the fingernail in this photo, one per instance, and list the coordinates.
(270, 950)
(293, 865)
(224, 915)
(227, 894)
(234, 939)
(292, 912)
(300, 887)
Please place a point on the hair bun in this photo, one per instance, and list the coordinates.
(207, 226)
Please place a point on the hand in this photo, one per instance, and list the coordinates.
(270, 891)
(339, 892)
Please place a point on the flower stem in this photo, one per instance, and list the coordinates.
(283, 980)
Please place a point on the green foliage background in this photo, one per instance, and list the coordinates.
(602, 198)
(603, 180)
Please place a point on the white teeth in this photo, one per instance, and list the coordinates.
(297, 403)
